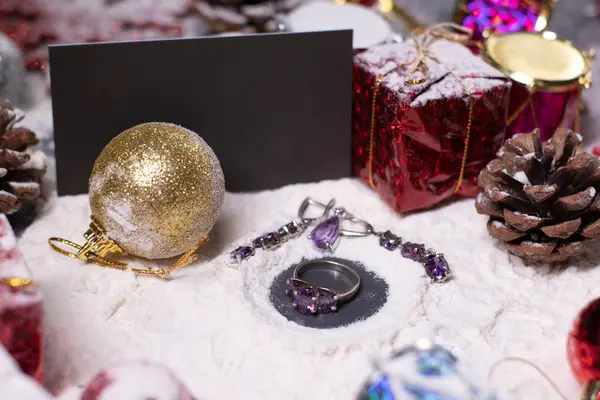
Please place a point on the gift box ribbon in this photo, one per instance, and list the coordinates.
(418, 72)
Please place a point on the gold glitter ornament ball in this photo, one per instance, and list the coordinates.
(157, 189)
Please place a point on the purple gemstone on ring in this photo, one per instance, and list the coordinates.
(324, 302)
(412, 251)
(324, 235)
(389, 241)
(304, 300)
(242, 253)
(436, 267)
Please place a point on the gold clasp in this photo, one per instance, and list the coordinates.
(98, 245)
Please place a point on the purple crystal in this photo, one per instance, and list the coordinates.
(325, 235)
(266, 241)
(413, 251)
(325, 302)
(304, 300)
(242, 253)
(389, 241)
(436, 268)
(271, 239)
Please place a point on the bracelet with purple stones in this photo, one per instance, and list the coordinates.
(310, 299)
(293, 229)
(328, 232)
(326, 235)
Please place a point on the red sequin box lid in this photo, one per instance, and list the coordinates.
(413, 155)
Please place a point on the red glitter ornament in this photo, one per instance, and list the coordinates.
(34, 24)
(21, 324)
(583, 346)
(413, 153)
(136, 380)
(20, 307)
(370, 3)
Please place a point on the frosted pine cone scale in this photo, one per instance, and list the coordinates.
(542, 198)
(21, 168)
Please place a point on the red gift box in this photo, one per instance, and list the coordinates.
(414, 121)
(21, 324)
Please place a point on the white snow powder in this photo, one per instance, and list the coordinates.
(533, 244)
(37, 160)
(134, 380)
(452, 56)
(216, 328)
(14, 384)
(522, 177)
(26, 186)
(498, 224)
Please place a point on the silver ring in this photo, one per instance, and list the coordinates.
(311, 299)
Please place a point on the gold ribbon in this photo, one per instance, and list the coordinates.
(418, 72)
(105, 262)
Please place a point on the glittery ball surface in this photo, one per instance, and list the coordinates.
(157, 189)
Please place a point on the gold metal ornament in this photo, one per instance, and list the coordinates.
(542, 63)
(539, 60)
(155, 192)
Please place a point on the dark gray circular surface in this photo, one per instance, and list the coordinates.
(371, 296)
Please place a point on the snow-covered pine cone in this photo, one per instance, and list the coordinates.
(542, 198)
(246, 16)
(21, 168)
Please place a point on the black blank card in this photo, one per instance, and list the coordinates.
(276, 109)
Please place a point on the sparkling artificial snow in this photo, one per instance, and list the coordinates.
(215, 327)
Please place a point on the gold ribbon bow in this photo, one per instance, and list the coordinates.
(418, 72)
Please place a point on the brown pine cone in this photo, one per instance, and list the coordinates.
(21, 168)
(542, 199)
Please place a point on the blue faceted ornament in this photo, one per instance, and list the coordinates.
(423, 371)
(436, 362)
(423, 393)
(380, 390)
